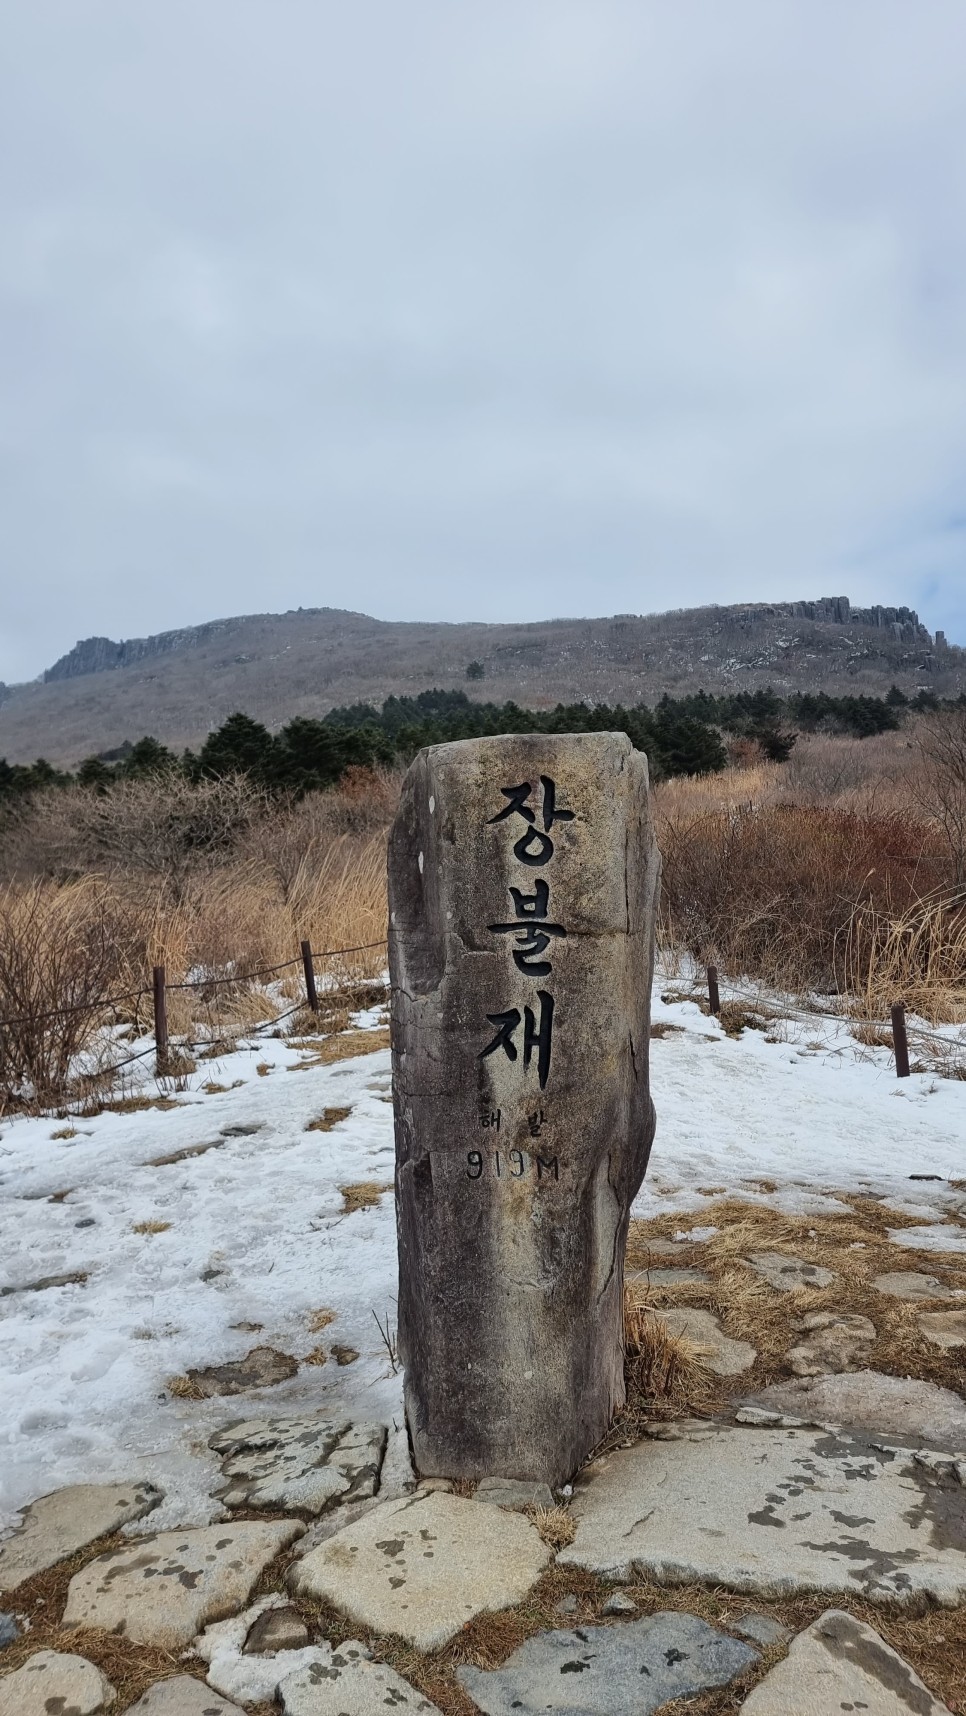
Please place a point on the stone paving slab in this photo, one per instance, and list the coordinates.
(913, 1287)
(898, 1409)
(56, 1683)
(721, 1354)
(309, 1462)
(351, 1686)
(55, 1526)
(513, 1492)
(603, 1671)
(832, 1343)
(182, 1695)
(424, 1565)
(774, 1511)
(944, 1328)
(787, 1273)
(838, 1664)
(165, 1588)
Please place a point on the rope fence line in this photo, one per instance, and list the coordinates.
(897, 1023)
(196, 983)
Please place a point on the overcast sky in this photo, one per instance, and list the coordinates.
(494, 310)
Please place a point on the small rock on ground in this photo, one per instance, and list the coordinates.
(944, 1328)
(910, 1285)
(425, 1565)
(309, 1462)
(619, 1604)
(900, 1409)
(164, 1589)
(513, 1493)
(789, 1273)
(774, 1511)
(9, 1631)
(253, 1677)
(762, 1630)
(182, 1695)
(833, 1343)
(263, 1367)
(836, 1664)
(567, 1605)
(600, 1671)
(274, 1630)
(351, 1687)
(57, 1525)
(721, 1354)
(56, 1681)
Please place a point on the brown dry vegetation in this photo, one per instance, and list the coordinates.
(828, 872)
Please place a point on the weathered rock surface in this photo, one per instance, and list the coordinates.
(263, 1367)
(832, 1343)
(836, 1664)
(913, 1287)
(513, 1492)
(720, 1354)
(9, 1631)
(164, 1589)
(423, 1566)
(245, 1664)
(308, 1462)
(522, 879)
(618, 1604)
(944, 1328)
(601, 1671)
(56, 1683)
(57, 1525)
(351, 1686)
(899, 1409)
(788, 1274)
(182, 1695)
(762, 1630)
(774, 1511)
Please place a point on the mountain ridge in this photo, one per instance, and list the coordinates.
(180, 684)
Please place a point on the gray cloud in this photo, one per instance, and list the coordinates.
(531, 308)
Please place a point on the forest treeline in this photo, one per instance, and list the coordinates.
(681, 735)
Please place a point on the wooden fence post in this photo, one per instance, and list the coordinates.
(160, 1022)
(714, 998)
(309, 969)
(900, 1040)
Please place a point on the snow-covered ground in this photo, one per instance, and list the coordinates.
(258, 1233)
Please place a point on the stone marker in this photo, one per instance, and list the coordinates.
(774, 1511)
(164, 1589)
(55, 1683)
(607, 1671)
(57, 1525)
(424, 1566)
(182, 1695)
(836, 1664)
(522, 878)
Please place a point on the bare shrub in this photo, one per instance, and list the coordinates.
(771, 890)
(64, 952)
(941, 782)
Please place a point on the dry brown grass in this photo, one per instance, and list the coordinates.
(320, 1319)
(317, 1356)
(344, 1047)
(363, 1195)
(329, 1117)
(151, 1227)
(555, 1525)
(184, 1388)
